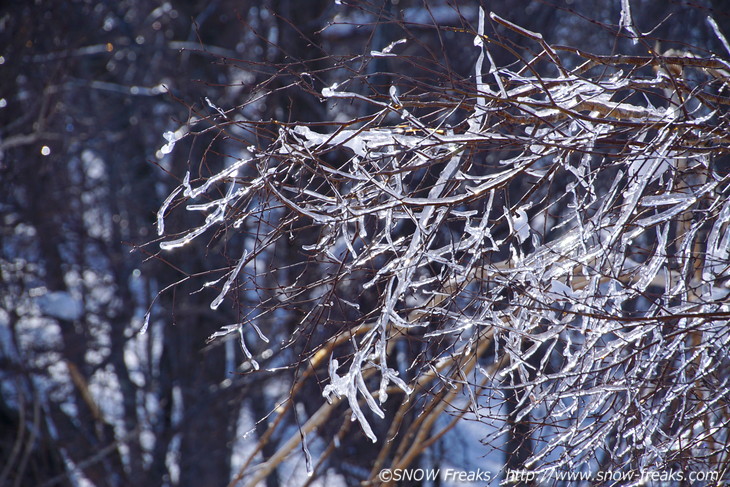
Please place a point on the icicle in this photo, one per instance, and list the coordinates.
(172, 138)
(522, 225)
(145, 323)
(229, 172)
(718, 246)
(187, 238)
(393, 91)
(163, 209)
(227, 286)
(330, 91)
(245, 349)
(718, 33)
(307, 456)
(476, 122)
(186, 185)
(386, 50)
(627, 22)
(258, 331)
(344, 386)
(216, 108)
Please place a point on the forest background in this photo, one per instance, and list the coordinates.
(108, 376)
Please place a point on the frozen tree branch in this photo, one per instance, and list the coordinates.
(571, 231)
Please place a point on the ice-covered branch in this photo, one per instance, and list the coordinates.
(576, 227)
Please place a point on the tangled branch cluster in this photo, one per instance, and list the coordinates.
(564, 237)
